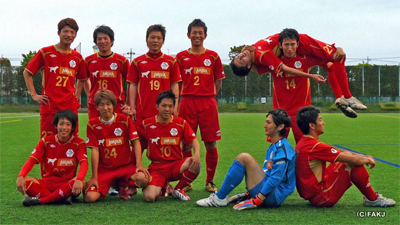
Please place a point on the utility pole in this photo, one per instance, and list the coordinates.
(130, 53)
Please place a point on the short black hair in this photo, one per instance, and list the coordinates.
(288, 33)
(239, 71)
(280, 116)
(197, 23)
(66, 114)
(165, 94)
(156, 27)
(305, 116)
(105, 30)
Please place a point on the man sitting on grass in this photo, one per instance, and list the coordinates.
(267, 186)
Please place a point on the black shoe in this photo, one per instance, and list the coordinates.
(30, 201)
(345, 108)
(65, 201)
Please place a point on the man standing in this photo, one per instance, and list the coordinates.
(164, 133)
(107, 70)
(109, 137)
(321, 185)
(202, 73)
(267, 186)
(60, 66)
(149, 75)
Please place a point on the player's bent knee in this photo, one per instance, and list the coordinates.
(210, 145)
(243, 157)
(91, 197)
(148, 197)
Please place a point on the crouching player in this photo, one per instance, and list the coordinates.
(109, 138)
(164, 134)
(267, 186)
(58, 156)
(323, 186)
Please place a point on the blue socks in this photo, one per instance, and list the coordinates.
(233, 178)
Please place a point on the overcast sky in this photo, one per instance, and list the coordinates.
(362, 27)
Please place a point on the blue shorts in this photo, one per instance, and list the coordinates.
(270, 201)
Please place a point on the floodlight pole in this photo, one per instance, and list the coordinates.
(362, 80)
(379, 81)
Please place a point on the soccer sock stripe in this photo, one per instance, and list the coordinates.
(211, 163)
(360, 178)
(233, 178)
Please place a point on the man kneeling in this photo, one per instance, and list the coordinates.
(267, 186)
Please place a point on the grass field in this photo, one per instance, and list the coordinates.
(375, 134)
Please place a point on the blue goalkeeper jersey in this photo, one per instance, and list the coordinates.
(279, 166)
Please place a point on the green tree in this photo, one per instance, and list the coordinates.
(37, 80)
(235, 50)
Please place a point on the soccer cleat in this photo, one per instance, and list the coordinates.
(169, 189)
(65, 201)
(31, 201)
(239, 197)
(213, 201)
(210, 187)
(181, 194)
(379, 202)
(343, 105)
(112, 191)
(123, 193)
(188, 188)
(354, 103)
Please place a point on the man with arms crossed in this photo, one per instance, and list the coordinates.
(109, 136)
(202, 73)
(267, 186)
(323, 186)
(164, 133)
(60, 66)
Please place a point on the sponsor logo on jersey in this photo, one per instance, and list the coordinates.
(154, 140)
(67, 71)
(72, 63)
(297, 64)
(52, 161)
(170, 141)
(334, 151)
(94, 74)
(202, 70)
(269, 165)
(114, 141)
(118, 131)
(186, 59)
(99, 128)
(53, 69)
(113, 66)
(189, 71)
(280, 162)
(207, 62)
(153, 126)
(164, 65)
(52, 146)
(94, 61)
(33, 151)
(108, 73)
(66, 162)
(101, 142)
(173, 131)
(70, 153)
(160, 74)
(143, 62)
(53, 55)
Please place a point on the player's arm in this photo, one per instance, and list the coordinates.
(26, 168)
(82, 84)
(95, 165)
(315, 77)
(356, 159)
(138, 153)
(132, 91)
(196, 157)
(41, 99)
(175, 90)
(83, 168)
(218, 84)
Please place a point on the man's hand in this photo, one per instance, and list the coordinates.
(41, 99)
(144, 170)
(133, 114)
(371, 162)
(195, 165)
(248, 48)
(126, 109)
(339, 55)
(77, 187)
(92, 182)
(318, 78)
(21, 185)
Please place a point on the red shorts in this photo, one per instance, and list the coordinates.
(338, 180)
(47, 128)
(48, 185)
(141, 132)
(163, 172)
(93, 113)
(202, 112)
(106, 178)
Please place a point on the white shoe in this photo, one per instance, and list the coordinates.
(343, 105)
(379, 202)
(213, 201)
(354, 103)
(181, 194)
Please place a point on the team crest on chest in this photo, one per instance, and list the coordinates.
(173, 132)
(113, 66)
(118, 132)
(72, 63)
(334, 151)
(164, 65)
(70, 153)
(207, 62)
(297, 64)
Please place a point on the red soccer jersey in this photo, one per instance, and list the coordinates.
(165, 139)
(112, 140)
(107, 73)
(199, 72)
(153, 75)
(291, 92)
(59, 159)
(307, 46)
(312, 156)
(59, 71)
(268, 61)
